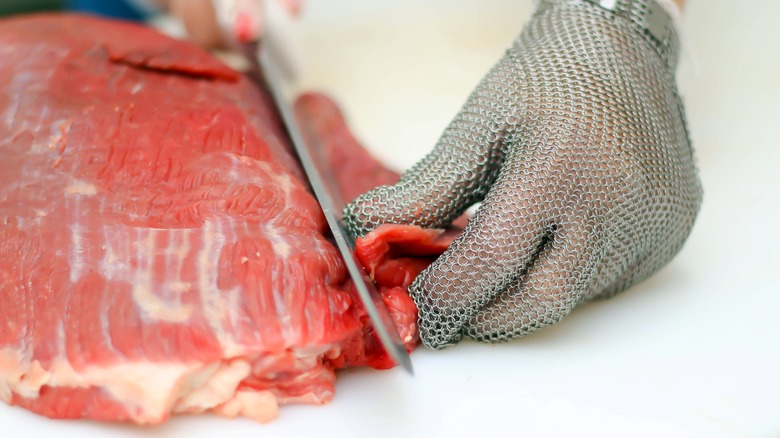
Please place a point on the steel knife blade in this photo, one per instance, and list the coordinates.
(323, 184)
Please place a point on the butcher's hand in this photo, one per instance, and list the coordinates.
(200, 18)
(576, 144)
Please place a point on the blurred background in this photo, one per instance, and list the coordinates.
(126, 9)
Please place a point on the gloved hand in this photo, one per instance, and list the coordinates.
(577, 146)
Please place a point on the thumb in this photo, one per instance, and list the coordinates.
(460, 169)
(199, 18)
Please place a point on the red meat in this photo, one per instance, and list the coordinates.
(159, 251)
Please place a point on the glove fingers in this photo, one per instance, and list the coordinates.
(548, 290)
(495, 248)
(460, 169)
(432, 194)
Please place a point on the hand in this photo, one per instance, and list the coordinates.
(577, 146)
(200, 18)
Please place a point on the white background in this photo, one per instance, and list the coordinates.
(693, 351)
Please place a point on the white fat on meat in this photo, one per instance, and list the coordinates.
(150, 391)
(158, 300)
(83, 188)
(76, 250)
(218, 306)
(260, 406)
(209, 390)
(147, 389)
(166, 304)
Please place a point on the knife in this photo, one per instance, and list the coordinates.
(277, 66)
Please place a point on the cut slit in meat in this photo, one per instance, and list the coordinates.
(159, 250)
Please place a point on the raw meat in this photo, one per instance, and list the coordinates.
(159, 252)
(326, 131)
(393, 256)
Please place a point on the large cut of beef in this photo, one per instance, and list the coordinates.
(159, 250)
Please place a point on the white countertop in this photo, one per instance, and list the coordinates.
(693, 351)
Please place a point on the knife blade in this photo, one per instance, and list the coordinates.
(323, 185)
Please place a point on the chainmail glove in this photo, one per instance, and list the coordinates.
(576, 145)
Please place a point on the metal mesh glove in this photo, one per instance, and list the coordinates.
(577, 145)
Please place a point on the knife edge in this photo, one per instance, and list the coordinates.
(383, 324)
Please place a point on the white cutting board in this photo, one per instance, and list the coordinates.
(693, 351)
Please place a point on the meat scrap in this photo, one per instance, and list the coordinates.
(159, 250)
